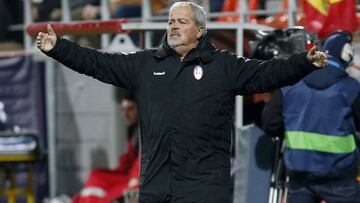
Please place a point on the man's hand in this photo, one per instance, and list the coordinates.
(318, 58)
(46, 41)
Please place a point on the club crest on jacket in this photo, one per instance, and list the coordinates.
(198, 72)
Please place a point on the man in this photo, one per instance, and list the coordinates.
(107, 185)
(185, 93)
(319, 116)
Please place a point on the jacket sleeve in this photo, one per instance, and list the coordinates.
(356, 113)
(116, 68)
(272, 117)
(256, 76)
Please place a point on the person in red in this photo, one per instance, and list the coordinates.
(107, 185)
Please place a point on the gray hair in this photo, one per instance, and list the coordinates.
(199, 12)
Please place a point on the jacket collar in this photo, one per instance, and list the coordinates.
(325, 77)
(335, 63)
(204, 51)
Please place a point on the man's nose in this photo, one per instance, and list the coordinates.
(174, 25)
(174, 28)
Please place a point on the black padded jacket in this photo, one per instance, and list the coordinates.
(186, 109)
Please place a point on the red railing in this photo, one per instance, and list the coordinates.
(78, 27)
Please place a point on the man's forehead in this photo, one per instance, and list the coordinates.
(180, 18)
(181, 12)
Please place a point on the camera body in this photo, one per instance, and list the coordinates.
(281, 43)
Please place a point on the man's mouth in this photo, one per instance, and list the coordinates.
(175, 35)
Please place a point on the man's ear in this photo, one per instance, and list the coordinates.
(200, 32)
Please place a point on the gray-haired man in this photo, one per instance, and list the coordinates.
(185, 91)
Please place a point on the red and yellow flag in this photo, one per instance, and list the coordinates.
(327, 16)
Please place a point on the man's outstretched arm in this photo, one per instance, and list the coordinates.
(117, 69)
(256, 76)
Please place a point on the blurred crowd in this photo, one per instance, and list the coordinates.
(12, 15)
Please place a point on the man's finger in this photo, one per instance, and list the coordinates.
(50, 30)
(313, 50)
(39, 36)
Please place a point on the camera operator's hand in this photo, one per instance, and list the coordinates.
(46, 41)
(318, 58)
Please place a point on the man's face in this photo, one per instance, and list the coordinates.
(181, 29)
(129, 112)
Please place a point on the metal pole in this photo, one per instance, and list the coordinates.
(291, 13)
(239, 99)
(50, 114)
(27, 21)
(65, 8)
(239, 50)
(105, 15)
(243, 11)
(146, 15)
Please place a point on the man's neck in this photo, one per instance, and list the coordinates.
(184, 50)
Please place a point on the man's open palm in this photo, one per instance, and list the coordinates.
(46, 41)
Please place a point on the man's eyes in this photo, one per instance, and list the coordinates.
(180, 21)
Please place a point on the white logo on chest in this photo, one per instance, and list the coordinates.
(159, 73)
(198, 72)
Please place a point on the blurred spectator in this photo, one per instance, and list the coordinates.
(11, 13)
(50, 10)
(45, 10)
(106, 185)
(90, 10)
(118, 9)
(125, 8)
(159, 7)
(216, 5)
